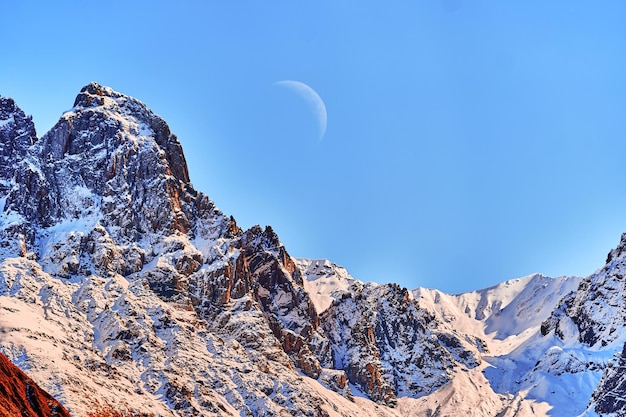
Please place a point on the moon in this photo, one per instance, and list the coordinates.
(313, 99)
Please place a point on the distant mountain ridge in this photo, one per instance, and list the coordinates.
(123, 288)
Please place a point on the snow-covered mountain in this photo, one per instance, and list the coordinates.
(123, 289)
(515, 361)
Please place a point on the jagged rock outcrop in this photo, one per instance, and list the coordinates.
(389, 346)
(18, 173)
(17, 134)
(21, 396)
(263, 269)
(594, 314)
(610, 396)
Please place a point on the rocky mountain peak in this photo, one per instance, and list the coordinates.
(105, 201)
(619, 251)
(13, 119)
(135, 117)
(110, 169)
(93, 94)
(111, 158)
(17, 134)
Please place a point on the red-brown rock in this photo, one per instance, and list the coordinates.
(20, 396)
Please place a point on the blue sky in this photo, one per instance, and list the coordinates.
(468, 142)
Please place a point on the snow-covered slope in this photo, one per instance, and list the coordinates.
(518, 371)
(123, 289)
(427, 347)
(325, 281)
(518, 359)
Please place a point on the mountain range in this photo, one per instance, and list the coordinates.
(124, 291)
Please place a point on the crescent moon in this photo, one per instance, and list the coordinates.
(314, 100)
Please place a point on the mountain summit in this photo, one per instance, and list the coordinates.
(125, 290)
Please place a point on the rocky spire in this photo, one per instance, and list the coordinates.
(112, 157)
(22, 187)
(17, 134)
(17, 130)
(95, 96)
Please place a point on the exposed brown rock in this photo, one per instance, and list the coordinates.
(21, 396)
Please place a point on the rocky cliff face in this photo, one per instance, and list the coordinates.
(389, 346)
(610, 396)
(594, 314)
(17, 134)
(17, 172)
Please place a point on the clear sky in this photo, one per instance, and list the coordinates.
(467, 142)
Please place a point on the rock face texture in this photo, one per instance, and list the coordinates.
(17, 135)
(390, 347)
(21, 396)
(610, 396)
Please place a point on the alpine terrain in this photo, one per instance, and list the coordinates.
(125, 291)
